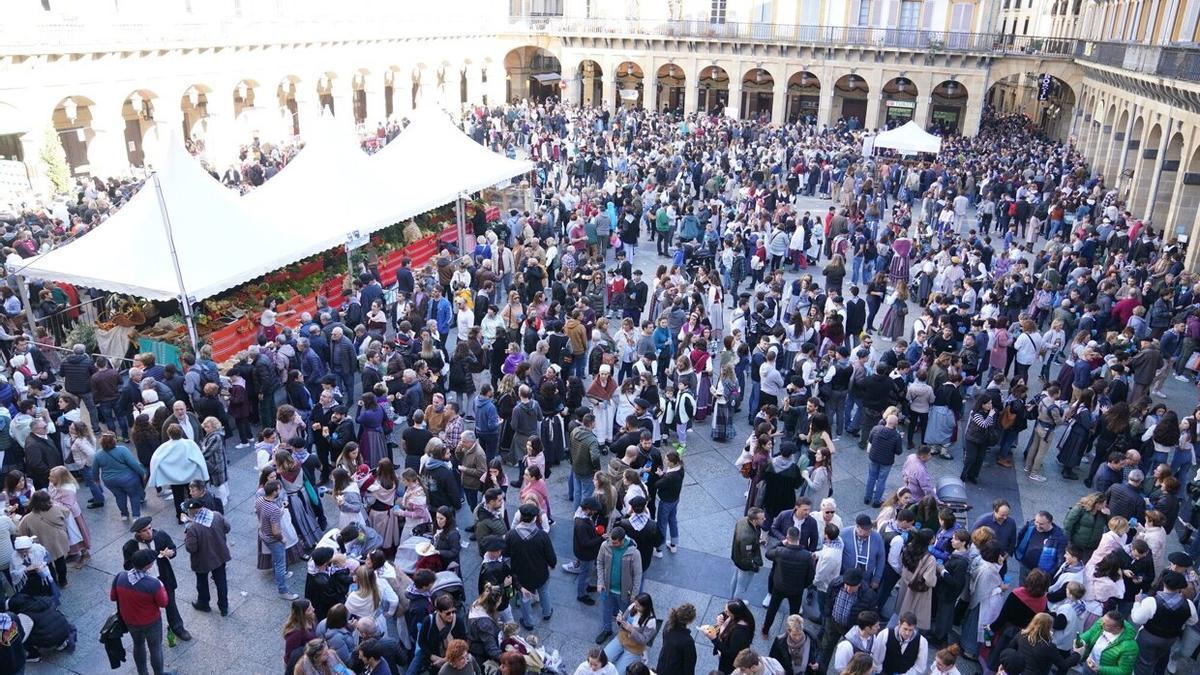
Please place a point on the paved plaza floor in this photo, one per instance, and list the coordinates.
(249, 640)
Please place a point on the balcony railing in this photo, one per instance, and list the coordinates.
(833, 36)
(1175, 62)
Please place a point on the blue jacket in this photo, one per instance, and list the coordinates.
(876, 559)
(1042, 550)
(487, 421)
(443, 313)
(311, 366)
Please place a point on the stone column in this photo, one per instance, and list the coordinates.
(1156, 178)
(825, 106)
(922, 111)
(874, 104)
(402, 86)
(474, 84)
(220, 141)
(650, 89)
(735, 94)
(973, 113)
(1176, 202)
(168, 128)
(107, 153)
(779, 102)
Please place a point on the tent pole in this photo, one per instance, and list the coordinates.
(23, 289)
(460, 220)
(185, 301)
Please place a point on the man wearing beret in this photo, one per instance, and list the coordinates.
(146, 538)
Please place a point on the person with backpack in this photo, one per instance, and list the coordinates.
(525, 418)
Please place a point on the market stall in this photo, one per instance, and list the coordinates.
(909, 139)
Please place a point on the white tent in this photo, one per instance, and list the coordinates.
(327, 190)
(909, 139)
(432, 162)
(219, 242)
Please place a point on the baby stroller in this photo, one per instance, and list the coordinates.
(952, 494)
(449, 582)
(695, 258)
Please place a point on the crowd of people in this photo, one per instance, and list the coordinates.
(418, 423)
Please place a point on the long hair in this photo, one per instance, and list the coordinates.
(915, 550)
(1038, 630)
(364, 576)
(298, 618)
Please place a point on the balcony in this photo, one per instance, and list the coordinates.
(1176, 62)
(788, 34)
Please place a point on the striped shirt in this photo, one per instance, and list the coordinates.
(269, 518)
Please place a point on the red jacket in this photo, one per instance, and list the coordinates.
(141, 604)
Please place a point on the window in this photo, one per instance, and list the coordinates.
(810, 12)
(717, 14)
(1025, 31)
(864, 13)
(910, 14)
(960, 17)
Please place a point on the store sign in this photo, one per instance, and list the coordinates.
(901, 104)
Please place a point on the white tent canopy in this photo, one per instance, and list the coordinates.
(220, 243)
(328, 189)
(432, 162)
(909, 139)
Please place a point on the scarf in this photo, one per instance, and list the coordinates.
(136, 575)
(1171, 599)
(203, 517)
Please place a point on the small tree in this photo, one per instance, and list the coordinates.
(54, 162)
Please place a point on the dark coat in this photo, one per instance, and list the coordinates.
(159, 541)
(531, 555)
(41, 455)
(793, 568)
(207, 544)
(678, 655)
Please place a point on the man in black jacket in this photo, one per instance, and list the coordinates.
(159, 543)
(41, 454)
(791, 574)
(586, 539)
(441, 483)
(874, 393)
(77, 370)
(531, 554)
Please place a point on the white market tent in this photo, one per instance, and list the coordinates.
(432, 162)
(909, 139)
(220, 243)
(327, 190)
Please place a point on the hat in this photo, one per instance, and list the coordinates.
(493, 543)
(641, 403)
(322, 555)
(1181, 559)
(140, 524)
(592, 504)
(1173, 581)
(23, 542)
(193, 504)
(425, 549)
(142, 557)
(637, 273)
(606, 369)
(637, 503)
(853, 577)
(863, 520)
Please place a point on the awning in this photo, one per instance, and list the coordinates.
(547, 77)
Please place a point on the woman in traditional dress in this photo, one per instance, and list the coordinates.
(702, 365)
(63, 489)
(892, 327)
(901, 250)
(301, 496)
(349, 499)
(381, 498)
(414, 506)
(725, 393)
(600, 396)
(372, 441)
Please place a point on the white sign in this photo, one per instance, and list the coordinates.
(731, 112)
(900, 104)
(629, 94)
(356, 239)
